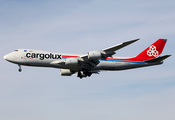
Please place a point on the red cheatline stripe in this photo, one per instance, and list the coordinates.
(69, 56)
(128, 59)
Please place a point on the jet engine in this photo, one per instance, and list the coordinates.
(71, 61)
(94, 55)
(66, 72)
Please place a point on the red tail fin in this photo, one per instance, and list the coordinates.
(153, 51)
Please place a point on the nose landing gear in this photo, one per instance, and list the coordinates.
(19, 68)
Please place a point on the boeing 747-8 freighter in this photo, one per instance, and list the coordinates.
(93, 62)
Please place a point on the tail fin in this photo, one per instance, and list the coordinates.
(153, 51)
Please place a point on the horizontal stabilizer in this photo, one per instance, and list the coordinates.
(158, 59)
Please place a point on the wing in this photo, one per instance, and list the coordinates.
(108, 52)
(90, 60)
(85, 64)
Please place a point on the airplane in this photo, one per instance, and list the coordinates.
(91, 63)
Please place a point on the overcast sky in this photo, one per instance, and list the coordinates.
(79, 26)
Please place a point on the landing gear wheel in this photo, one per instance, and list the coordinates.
(19, 68)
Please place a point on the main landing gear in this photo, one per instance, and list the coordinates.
(19, 68)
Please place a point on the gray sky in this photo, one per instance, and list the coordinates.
(76, 26)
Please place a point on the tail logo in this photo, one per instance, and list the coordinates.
(152, 51)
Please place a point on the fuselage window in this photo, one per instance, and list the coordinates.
(16, 50)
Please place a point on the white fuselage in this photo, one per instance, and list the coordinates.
(45, 59)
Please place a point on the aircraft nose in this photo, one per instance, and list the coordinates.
(8, 57)
(5, 57)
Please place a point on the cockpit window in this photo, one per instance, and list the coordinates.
(16, 50)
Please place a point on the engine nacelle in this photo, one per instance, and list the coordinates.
(94, 55)
(71, 61)
(66, 72)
